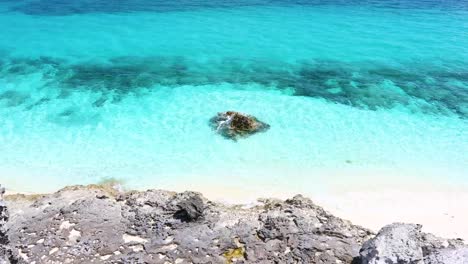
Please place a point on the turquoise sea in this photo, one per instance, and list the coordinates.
(356, 92)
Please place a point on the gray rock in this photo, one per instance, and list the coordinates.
(77, 225)
(448, 256)
(395, 243)
(6, 256)
(95, 224)
(400, 243)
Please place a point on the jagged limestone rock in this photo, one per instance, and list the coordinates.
(136, 227)
(92, 224)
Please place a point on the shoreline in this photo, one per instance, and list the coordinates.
(440, 211)
(104, 224)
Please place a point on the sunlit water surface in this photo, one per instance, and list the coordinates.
(355, 92)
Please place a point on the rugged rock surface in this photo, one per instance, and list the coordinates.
(405, 243)
(235, 125)
(91, 224)
(96, 224)
(6, 255)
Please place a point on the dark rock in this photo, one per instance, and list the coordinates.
(189, 206)
(235, 125)
(102, 196)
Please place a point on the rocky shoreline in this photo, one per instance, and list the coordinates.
(99, 224)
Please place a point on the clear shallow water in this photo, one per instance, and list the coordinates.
(354, 92)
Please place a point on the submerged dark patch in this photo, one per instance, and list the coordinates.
(423, 88)
(13, 98)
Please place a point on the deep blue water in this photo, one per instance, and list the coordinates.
(73, 7)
